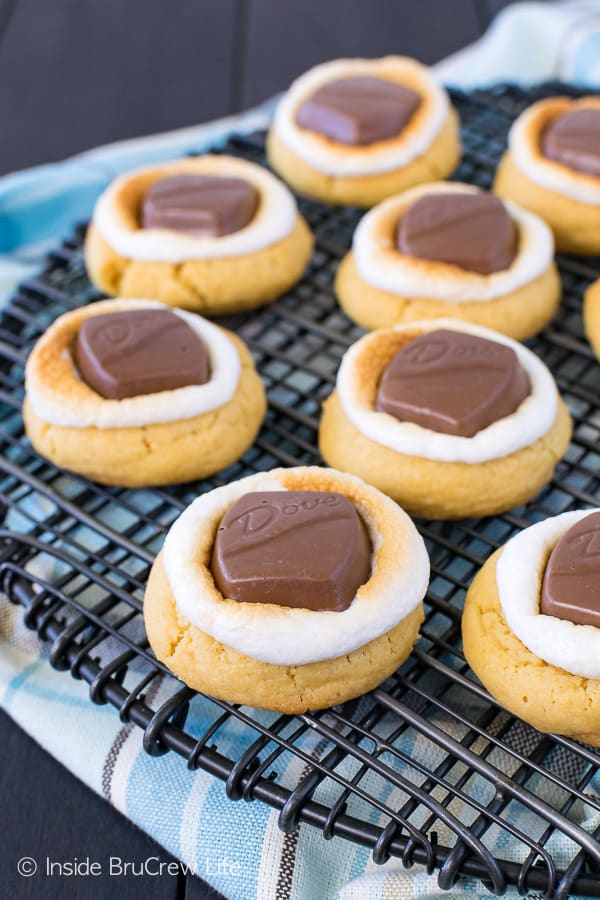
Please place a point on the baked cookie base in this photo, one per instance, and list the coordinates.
(591, 316)
(441, 160)
(547, 697)
(520, 314)
(576, 226)
(443, 490)
(206, 286)
(207, 665)
(165, 453)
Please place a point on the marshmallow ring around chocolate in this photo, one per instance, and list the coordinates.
(276, 657)
(378, 286)
(568, 200)
(236, 271)
(433, 474)
(428, 148)
(152, 439)
(541, 668)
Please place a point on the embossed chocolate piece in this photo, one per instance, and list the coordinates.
(571, 586)
(307, 549)
(201, 205)
(452, 382)
(472, 231)
(141, 351)
(359, 110)
(573, 139)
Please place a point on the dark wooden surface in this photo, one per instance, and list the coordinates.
(293, 36)
(48, 813)
(78, 73)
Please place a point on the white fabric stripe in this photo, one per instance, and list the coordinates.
(270, 859)
(124, 763)
(191, 817)
(131, 749)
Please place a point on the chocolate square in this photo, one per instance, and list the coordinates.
(360, 110)
(452, 382)
(307, 549)
(201, 205)
(142, 351)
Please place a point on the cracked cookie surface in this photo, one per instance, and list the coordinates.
(519, 314)
(441, 158)
(207, 286)
(214, 668)
(166, 452)
(576, 226)
(438, 489)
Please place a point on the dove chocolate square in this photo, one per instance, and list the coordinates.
(573, 139)
(141, 351)
(301, 549)
(358, 110)
(452, 382)
(472, 231)
(571, 585)
(200, 205)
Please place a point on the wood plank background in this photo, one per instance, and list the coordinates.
(47, 812)
(78, 73)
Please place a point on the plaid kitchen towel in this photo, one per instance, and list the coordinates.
(236, 847)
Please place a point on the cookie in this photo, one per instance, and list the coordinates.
(454, 264)
(467, 442)
(591, 316)
(537, 659)
(354, 131)
(240, 603)
(213, 234)
(552, 167)
(131, 393)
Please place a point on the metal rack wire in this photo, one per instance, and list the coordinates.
(428, 768)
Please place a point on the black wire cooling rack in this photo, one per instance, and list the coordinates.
(428, 768)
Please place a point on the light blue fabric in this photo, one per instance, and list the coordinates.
(237, 847)
(532, 42)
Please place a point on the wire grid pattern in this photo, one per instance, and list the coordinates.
(428, 767)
